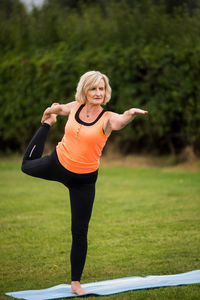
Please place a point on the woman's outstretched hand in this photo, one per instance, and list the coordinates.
(137, 111)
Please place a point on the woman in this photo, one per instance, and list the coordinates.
(75, 160)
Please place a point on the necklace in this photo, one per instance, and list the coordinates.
(88, 114)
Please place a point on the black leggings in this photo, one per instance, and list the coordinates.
(81, 188)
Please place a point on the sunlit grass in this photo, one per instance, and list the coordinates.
(144, 222)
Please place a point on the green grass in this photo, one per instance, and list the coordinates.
(144, 222)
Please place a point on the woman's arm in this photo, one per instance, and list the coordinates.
(58, 109)
(116, 121)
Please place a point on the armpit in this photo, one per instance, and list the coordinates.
(107, 128)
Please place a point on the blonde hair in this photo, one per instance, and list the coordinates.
(89, 80)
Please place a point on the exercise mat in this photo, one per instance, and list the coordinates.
(109, 287)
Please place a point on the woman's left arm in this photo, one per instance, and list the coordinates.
(118, 121)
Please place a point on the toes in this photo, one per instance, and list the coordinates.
(78, 291)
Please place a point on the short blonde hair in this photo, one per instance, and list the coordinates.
(89, 80)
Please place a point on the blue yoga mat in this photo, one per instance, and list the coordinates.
(109, 287)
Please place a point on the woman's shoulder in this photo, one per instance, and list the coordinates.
(69, 107)
(110, 114)
(72, 104)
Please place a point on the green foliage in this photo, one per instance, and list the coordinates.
(151, 57)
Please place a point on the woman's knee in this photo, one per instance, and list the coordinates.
(28, 167)
(79, 231)
(24, 168)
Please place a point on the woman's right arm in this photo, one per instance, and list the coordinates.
(58, 109)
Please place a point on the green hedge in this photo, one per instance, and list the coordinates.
(165, 84)
(151, 58)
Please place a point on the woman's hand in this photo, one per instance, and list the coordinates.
(48, 112)
(136, 111)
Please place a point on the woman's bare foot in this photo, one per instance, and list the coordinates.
(51, 119)
(76, 288)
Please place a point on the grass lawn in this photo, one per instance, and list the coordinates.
(145, 221)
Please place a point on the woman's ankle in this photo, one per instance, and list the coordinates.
(47, 122)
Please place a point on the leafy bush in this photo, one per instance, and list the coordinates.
(151, 57)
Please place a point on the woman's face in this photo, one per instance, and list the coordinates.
(96, 94)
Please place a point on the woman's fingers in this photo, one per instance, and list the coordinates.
(138, 111)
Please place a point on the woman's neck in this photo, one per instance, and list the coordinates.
(92, 109)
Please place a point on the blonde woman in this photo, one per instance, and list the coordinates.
(75, 161)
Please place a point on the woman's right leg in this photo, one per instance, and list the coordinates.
(33, 163)
(36, 145)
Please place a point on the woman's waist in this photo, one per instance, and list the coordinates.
(78, 163)
(80, 153)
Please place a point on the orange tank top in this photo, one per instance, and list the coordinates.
(81, 146)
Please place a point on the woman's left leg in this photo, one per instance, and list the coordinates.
(81, 198)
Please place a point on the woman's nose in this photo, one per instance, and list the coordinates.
(98, 92)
